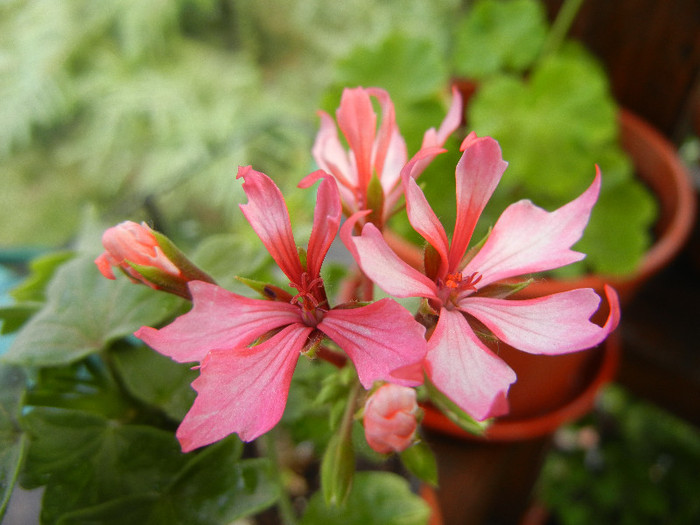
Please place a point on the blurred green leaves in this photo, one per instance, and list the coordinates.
(83, 313)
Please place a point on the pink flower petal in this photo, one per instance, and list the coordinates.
(465, 370)
(242, 390)
(528, 239)
(330, 155)
(389, 153)
(478, 173)
(218, 319)
(326, 223)
(554, 324)
(358, 122)
(382, 265)
(425, 222)
(452, 121)
(267, 213)
(379, 338)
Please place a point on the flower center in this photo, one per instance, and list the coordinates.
(311, 295)
(455, 286)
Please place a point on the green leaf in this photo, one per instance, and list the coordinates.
(377, 498)
(499, 36)
(420, 461)
(84, 459)
(156, 379)
(409, 68)
(41, 270)
(553, 127)
(12, 439)
(14, 316)
(102, 471)
(83, 313)
(338, 468)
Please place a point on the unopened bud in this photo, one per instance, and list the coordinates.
(147, 257)
(390, 418)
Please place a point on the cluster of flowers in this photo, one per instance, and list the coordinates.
(247, 349)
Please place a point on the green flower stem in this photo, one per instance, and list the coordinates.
(284, 504)
(560, 27)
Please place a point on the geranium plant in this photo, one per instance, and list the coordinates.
(97, 404)
(546, 100)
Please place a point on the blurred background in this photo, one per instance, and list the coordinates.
(143, 110)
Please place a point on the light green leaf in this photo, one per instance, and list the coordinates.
(409, 68)
(41, 270)
(377, 498)
(12, 439)
(420, 461)
(84, 312)
(499, 36)
(338, 469)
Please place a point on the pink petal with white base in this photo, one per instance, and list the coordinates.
(326, 223)
(465, 370)
(242, 390)
(382, 265)
(218, 319)
(528, 239)
(267, 213)
(378, 338)
(330, 155)
(477, 174)
(554, 324)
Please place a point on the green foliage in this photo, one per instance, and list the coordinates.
(101, 470)
(377, 498)
(420, 461)
(169, 390)
(13, 442)
(641, 467)
(499, 36)
(83, 313)
(553, 128)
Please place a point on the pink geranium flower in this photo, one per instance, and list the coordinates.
(372, 151)
(243, 386)
(525, 239)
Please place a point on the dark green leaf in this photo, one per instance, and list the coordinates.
(84, 312)
(85, 459)
(156, 379)
(377, 498)
(14, 316)
(98, 470)
(12, 439)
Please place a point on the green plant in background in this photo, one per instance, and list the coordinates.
(107, 102)
(629, 463)
(547, 102)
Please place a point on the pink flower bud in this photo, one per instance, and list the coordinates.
(390, 418)
(134, 243)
